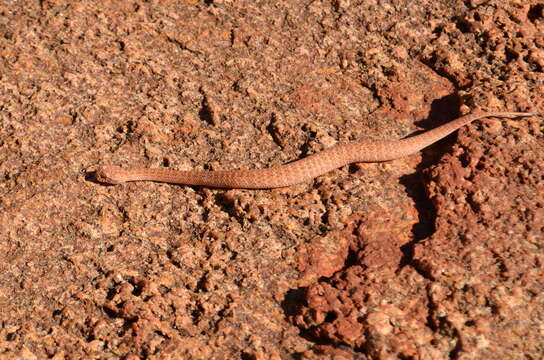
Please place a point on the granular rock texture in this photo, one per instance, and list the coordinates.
(435, 256)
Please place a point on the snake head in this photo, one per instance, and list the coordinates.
(109, 175)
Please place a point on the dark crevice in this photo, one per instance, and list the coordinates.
(201, 284)
(473, 205)
(294, 300)
(331, 316)
(431, 309)
(206, 112)
(230, 205)
(273, 129)
(454, 353)
(442, 111)
(138, 288)
(463, 25)
(111, 293)
(309, 334)
(110, 312)
(351, 260)
(535, 12)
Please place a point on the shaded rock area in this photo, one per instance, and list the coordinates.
(434, 256)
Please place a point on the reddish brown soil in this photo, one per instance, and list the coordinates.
(435, 256)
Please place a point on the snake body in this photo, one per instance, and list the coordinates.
(301, 170)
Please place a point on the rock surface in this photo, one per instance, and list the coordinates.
(435, 256)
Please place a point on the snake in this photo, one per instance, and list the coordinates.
(301, 170)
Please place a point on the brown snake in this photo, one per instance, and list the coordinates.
(301, 170)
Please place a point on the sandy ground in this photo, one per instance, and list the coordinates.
(435, 256)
